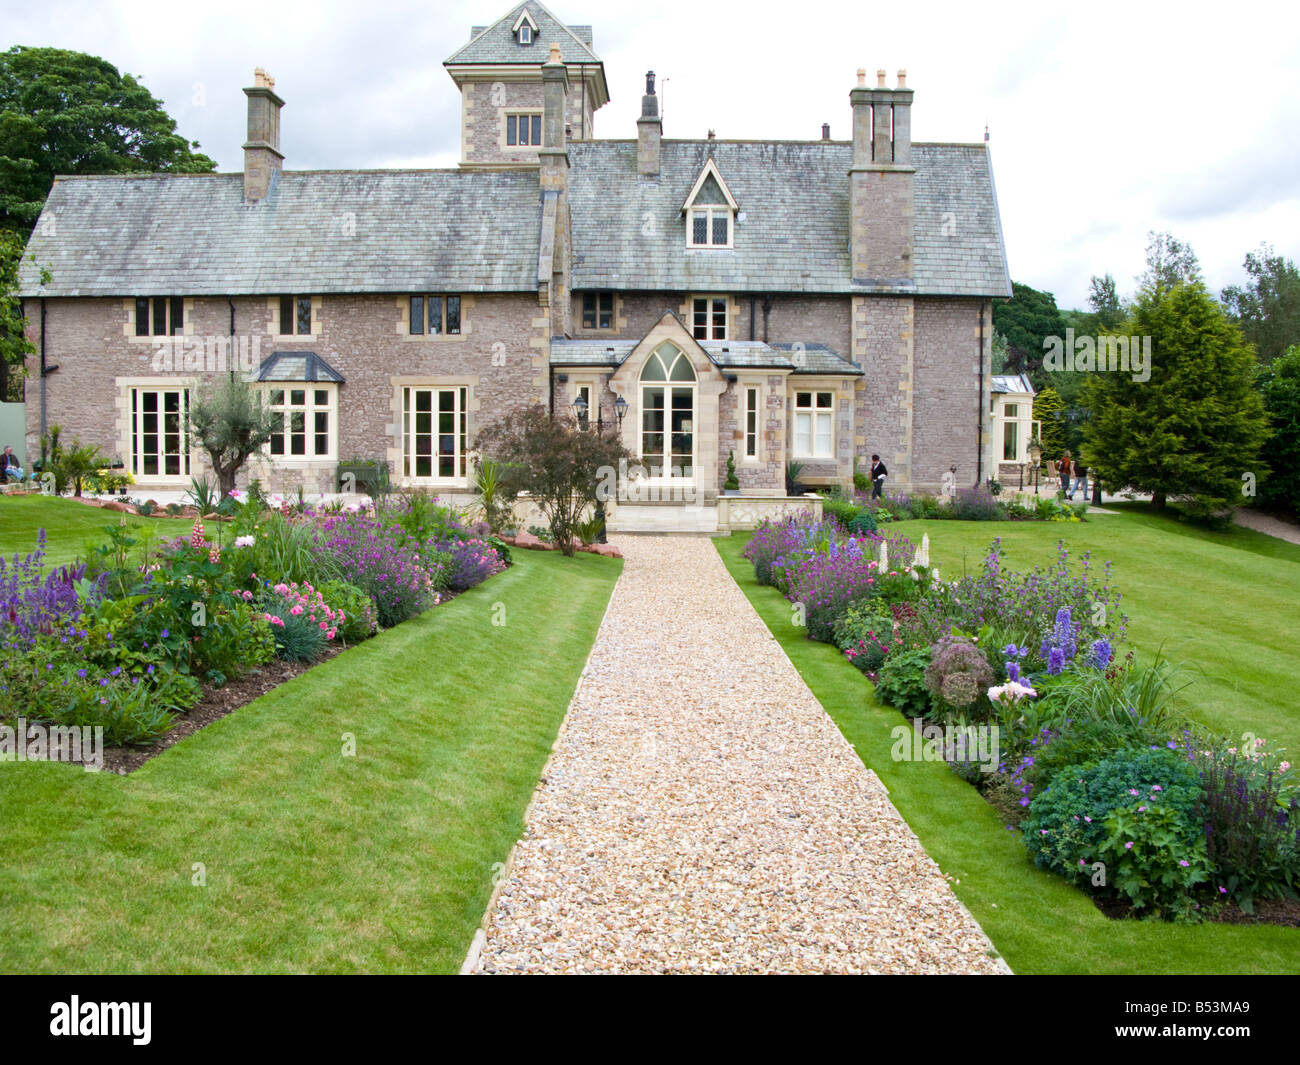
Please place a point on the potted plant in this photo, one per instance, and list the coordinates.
(362, 475)
(731, 486)
(793, 470)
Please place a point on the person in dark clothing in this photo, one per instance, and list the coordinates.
(878, 475)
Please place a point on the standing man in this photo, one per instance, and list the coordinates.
(878, 475)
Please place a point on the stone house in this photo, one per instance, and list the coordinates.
(808, 301)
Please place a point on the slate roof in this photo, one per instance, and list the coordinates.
(317, 232)
(297, 366)
(498, 44)
(726, 354)
(487, 230)
(629, 232)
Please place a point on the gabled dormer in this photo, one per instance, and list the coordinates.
(710, 211)
(525, 28)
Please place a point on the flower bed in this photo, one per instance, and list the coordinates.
(132, 639)
(1020, 681)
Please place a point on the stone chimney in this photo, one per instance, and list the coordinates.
(881, 177)
(649, 131)
(555, 91)
(553, 157)
(262, 156)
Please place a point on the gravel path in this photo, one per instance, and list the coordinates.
(701, 813)
(1253, 519)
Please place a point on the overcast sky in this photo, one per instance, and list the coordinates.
(1105, 121)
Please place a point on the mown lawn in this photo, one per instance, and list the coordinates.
(71, 528)
(1224, 604)
(314, 861)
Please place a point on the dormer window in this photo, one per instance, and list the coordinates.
(710, 211)
(709, 227)
(525, 29)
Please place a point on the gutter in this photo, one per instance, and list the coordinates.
(43, 410)
(979, 410)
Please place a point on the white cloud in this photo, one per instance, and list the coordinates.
(1106, 121)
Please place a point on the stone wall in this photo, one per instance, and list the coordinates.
(500, 355)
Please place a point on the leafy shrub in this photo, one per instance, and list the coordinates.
(860, 621)
(1152, 858)
(357, 618)
(900, 682)
(854, 518)
(975, 504)
(959, 674)
(1066, 829)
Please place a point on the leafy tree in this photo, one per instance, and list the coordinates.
(229, 421)
(565, 468)
(1279, 384)
(64, 112)
(1049, 411)
(14, 345)
(1170, 262)
(1103, 300)
(1196, 426)
(1025, 320)
(1267, 307)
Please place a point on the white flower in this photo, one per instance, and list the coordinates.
(1011, 692)
(923, 552)
(245, 541)
(884, 556)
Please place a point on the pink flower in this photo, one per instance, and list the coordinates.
(1129, 845)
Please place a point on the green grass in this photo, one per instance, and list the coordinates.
(315, 862)
(70, 527)
(1222, 601)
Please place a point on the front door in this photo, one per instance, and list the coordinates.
(668, 415)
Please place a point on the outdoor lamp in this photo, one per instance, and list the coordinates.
(580, 408)
(620, 409)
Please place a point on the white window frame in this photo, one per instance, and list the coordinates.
(459, 437)
(805, 441)
(751, 426)
(525, 33)
(585, 392)
(137, 433)
(711, 312)
(309, 409)
(709, 211)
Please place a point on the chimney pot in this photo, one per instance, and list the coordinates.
(649, 131)
(826, 131)
(862, 77)
(902, 79)
(555, 53)
(649, 82)
(880, 78)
